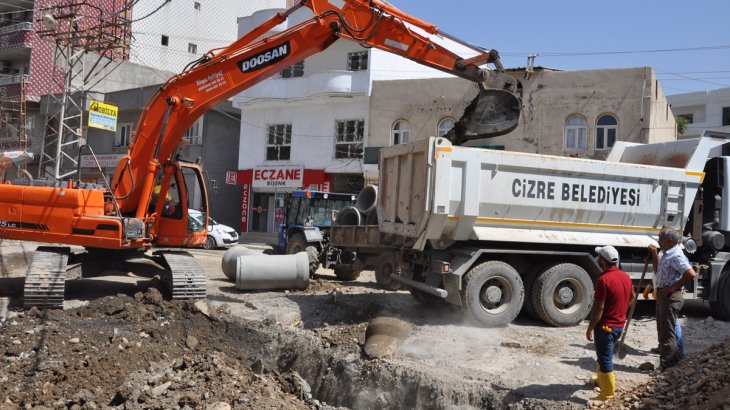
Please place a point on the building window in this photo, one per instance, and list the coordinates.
(192, 48)
(606, 131)
(576, 132)
(690, 118)
(349, 136)
(400, 132)
(124, 135)
(165, 41)
(194, 134)
(444, 127)
(278, 142)
(357, 61)
(295, 70)
(725, 116)
(196, 6)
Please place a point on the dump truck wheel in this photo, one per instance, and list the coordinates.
(492, 294)
(563, 295)
(209, 243)
(528, 280)
(721, 308)
(386, 266)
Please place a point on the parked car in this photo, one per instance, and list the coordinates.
(219, 235)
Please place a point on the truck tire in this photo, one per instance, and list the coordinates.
(529, 281)
(721, 309)
(563, 295)
(297, 243)
(386, 266)
(492, 294)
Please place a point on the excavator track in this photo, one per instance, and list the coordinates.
(188, 278)
(45, 279)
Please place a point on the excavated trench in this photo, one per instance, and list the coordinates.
(342, 377)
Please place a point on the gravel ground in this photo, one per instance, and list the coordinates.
(317, 335)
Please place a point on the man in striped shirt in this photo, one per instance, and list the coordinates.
(672, 272)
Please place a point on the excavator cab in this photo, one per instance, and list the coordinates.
(186, 191)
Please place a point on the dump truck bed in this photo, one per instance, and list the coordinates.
(432, 191)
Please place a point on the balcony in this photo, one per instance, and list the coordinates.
(25, 26)
(330, 83)
(11, 79)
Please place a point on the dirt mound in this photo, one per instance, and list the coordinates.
(140, 352)
(700, 381)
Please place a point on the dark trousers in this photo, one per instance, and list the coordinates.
(667, 311)
(604, 342)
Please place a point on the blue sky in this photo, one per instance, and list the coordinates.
(635, 30)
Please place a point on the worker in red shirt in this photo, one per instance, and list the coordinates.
(613, 293)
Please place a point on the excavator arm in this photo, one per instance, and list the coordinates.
(222, 73)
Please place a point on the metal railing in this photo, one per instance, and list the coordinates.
(17, 27)
(11, 79)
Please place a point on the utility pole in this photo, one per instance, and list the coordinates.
(90, 42)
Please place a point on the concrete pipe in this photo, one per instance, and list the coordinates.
(349, 216)
(230, 260)
(367, 199)
(371, 218)
(257, 272)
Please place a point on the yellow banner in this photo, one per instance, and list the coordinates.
(103, 116)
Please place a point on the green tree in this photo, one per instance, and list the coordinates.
(682, 124)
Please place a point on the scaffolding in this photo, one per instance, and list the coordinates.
(90, 42)
(13, 120)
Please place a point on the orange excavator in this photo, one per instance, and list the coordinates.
(152, 189)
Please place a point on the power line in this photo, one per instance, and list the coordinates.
(593, 53)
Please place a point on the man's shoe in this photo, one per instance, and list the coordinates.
(654, 350)
(607, 383)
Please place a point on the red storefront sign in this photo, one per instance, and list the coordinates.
(278, 177)
(244, 206)
(232, 177)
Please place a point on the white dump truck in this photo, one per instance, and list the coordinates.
(496, 231)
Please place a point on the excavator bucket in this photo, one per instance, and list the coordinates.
(492, 113)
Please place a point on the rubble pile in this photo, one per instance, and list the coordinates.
(141, 352)
(700, 381)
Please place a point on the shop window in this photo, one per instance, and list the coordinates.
(293, 71)
(123, 136)
(445, 125)
(576, 133)
(349, 135)
(357, 61)
(400, 132)
(278, 142)
(606, 131)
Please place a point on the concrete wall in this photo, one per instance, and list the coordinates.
(705, 108)
(549, 97)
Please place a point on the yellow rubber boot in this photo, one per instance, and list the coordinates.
(607, 383)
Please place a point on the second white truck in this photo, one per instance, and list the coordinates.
(495, 232)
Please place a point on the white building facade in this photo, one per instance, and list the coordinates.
(702, 110)
(311, 120)
(161, 41)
